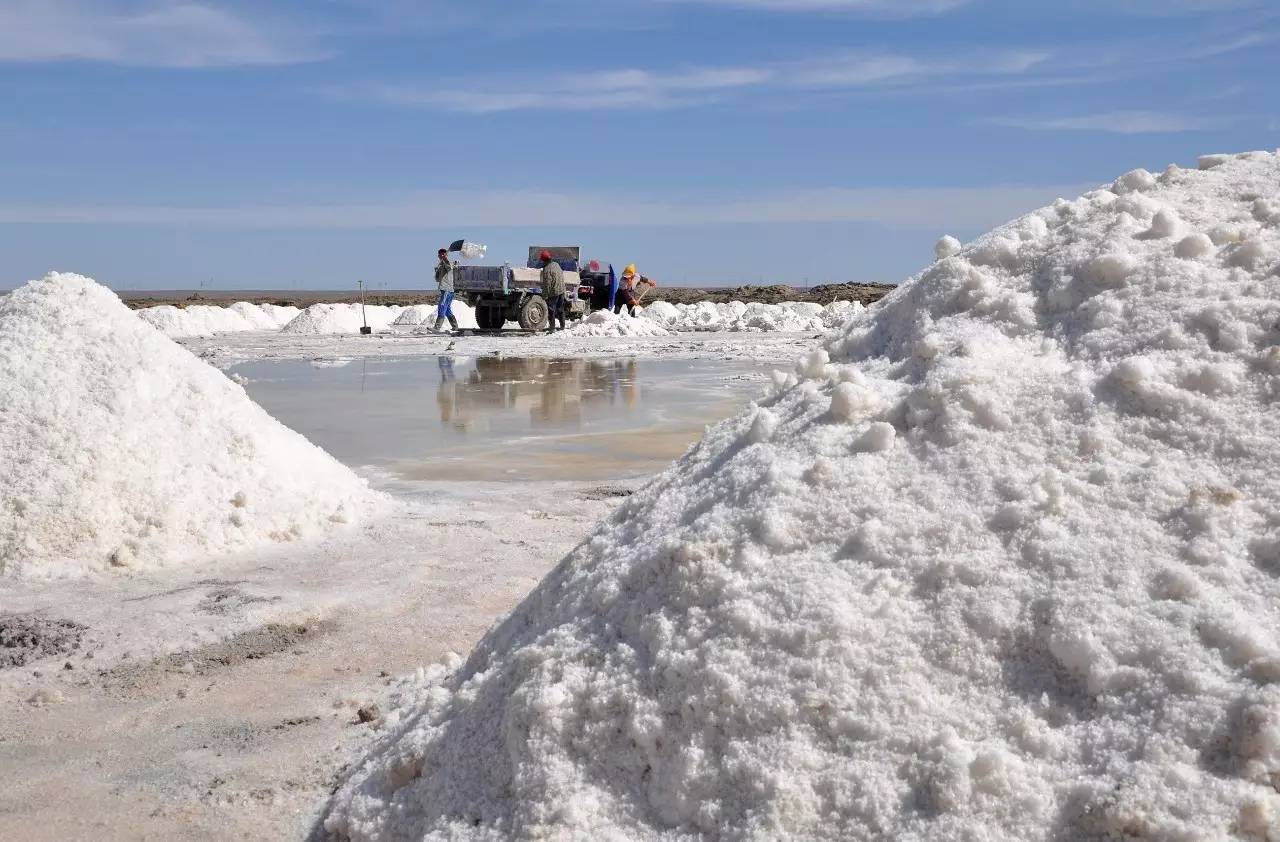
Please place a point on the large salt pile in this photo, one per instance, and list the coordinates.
(1002, 561)
(119, 447)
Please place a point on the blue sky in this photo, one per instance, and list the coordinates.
(164, 144)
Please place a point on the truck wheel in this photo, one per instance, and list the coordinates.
(490, 318)
(533, 315)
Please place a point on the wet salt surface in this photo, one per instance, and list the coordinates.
(407, 420)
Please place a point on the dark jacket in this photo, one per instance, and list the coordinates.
(552, 280)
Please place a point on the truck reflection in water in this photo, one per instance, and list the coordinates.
(495, 418)
(555, 391)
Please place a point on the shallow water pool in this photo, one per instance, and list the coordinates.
(405, 420)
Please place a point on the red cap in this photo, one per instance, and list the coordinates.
(545, 256)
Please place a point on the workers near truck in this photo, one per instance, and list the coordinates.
(444, 281)
(553, 290)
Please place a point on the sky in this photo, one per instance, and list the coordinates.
(302, 144)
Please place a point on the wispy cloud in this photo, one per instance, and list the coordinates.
(1112, 122)
(159, 33)
(683, 87)
(609, 89)
(920, 207)
(877, 8)
(1169, 8)
(892, 73)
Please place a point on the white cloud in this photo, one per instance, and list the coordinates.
(919, 207)
(683, 87)
(1112, 122)
(159, 33)
(855, 70)
(628, 88)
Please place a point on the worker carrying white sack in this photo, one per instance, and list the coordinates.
(444, 281)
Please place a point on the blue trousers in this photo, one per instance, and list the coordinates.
(446, 302)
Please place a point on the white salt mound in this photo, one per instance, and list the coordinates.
(605, 323)
(196, 320)
(754, 317)
(206, 320)
(118, 447)
(265, 316)
(327, 318)
(416, 314)
(1021, 583)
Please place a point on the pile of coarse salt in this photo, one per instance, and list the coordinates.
(118, 447)
(753, 317)
(1000, 561)
(324, 318)
(209, 320)
(606, 323)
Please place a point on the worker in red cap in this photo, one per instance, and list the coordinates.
(553, 290)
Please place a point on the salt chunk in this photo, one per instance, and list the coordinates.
(1208, 162)
(1164, 224)
(850, 400)
(814, 364)
(1222, 235)
(946, 247)
(1192, 246)
(879, 436)
(1249, 255)
(1134, 181)
(1111, 269)
(763, 426)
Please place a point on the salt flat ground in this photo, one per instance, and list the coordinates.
(221, 701)
(780, 347)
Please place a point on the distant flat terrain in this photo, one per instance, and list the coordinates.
(825, 294)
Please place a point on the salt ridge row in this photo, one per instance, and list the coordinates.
(203, 320)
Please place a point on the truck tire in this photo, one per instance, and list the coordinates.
(533, 313)
(490, 318)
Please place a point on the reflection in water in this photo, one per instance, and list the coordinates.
(554, 391)
(503, 418)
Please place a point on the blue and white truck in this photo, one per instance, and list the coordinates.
(507, 293)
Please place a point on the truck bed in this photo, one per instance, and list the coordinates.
(490, 279)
